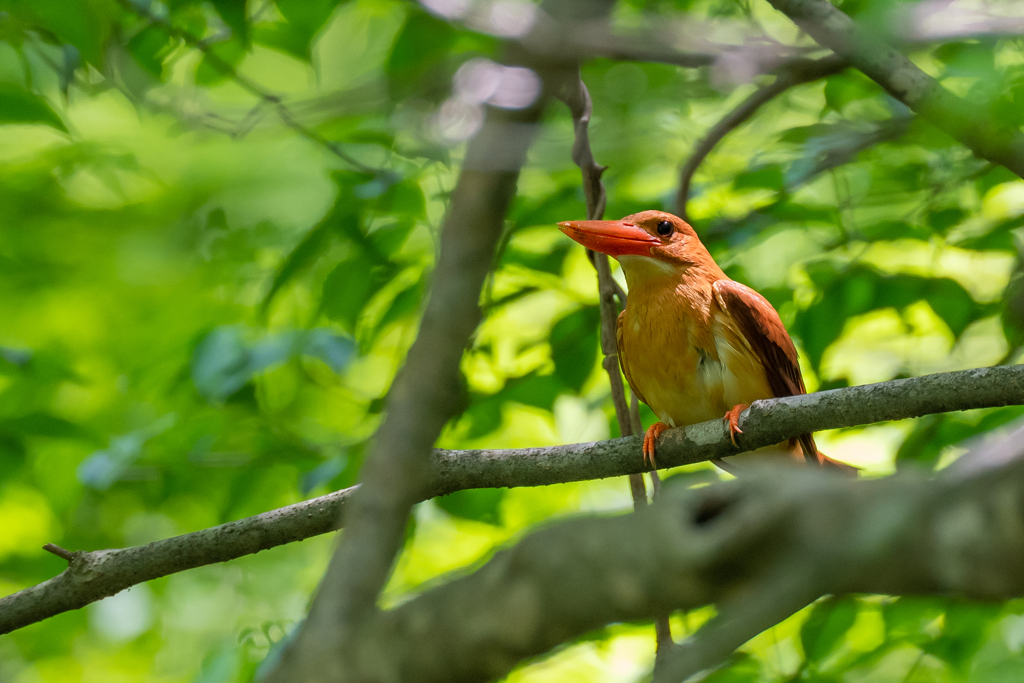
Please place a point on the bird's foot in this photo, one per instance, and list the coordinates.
(732, 417)
(650, 438)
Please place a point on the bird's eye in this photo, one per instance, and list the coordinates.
(665, 228)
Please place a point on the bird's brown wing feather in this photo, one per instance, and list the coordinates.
(619, 322)
(760, 324)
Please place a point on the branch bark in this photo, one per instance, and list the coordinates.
(94, 575)
(793, 73)
(966, 121)
(426, 394)
(788, 536)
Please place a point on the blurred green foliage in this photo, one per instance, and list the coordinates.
(202, 310)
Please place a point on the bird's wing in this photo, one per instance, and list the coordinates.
(619, 322)
(760, 325)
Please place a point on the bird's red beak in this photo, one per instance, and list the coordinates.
(615, 238)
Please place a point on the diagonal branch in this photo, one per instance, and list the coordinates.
(426, 394)
(94, 575)
(968, 122)
(793, 73)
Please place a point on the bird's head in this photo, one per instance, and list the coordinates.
(649, 240)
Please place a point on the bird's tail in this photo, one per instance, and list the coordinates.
(829, 463)
(814, 456)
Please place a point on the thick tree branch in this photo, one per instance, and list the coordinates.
(966, 121)
(95, 575)
(789, 535)
(791, 74)
(570, 42)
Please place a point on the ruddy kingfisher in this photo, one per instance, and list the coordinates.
(694, 345)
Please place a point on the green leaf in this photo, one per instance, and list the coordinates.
(45, 424)
(921, 445)
(405, 198)
(341, 218)
(333, 349)
(389, 239)
(574, 343)
(741, 668)
(550, 261)
(539, 391)
(967, 59)
(404, 304)
(997, 175)
(423, 44)
(303, 21)
(85, 24)
(952, 303)
(350, 286)
(535, 390)
(820, 325)
(830, 619)
(483, 417)
(225, 361)
(18, 105)
(769, 177)
(847, 87)
(892, 230)
(149, 47)
(220, 665)
(941, 220)
(217, 66)
(479, 505)
(565, 203)
(233, 13)
(964, 630)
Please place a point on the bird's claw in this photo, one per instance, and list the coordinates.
(732, 418)
(650, 439)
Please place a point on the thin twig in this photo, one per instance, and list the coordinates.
(793, 73)
(59, 552)
(576, 96)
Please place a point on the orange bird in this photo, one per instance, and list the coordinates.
(694, 345)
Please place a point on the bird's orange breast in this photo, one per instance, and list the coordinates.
(684, 356)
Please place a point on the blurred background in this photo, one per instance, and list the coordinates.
(217, 225)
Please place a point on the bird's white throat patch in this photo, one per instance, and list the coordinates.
(639, 268)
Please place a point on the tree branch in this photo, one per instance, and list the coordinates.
(425, 395)
(792, 535)
(966, 121)
(791, 74)
(94, 575)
